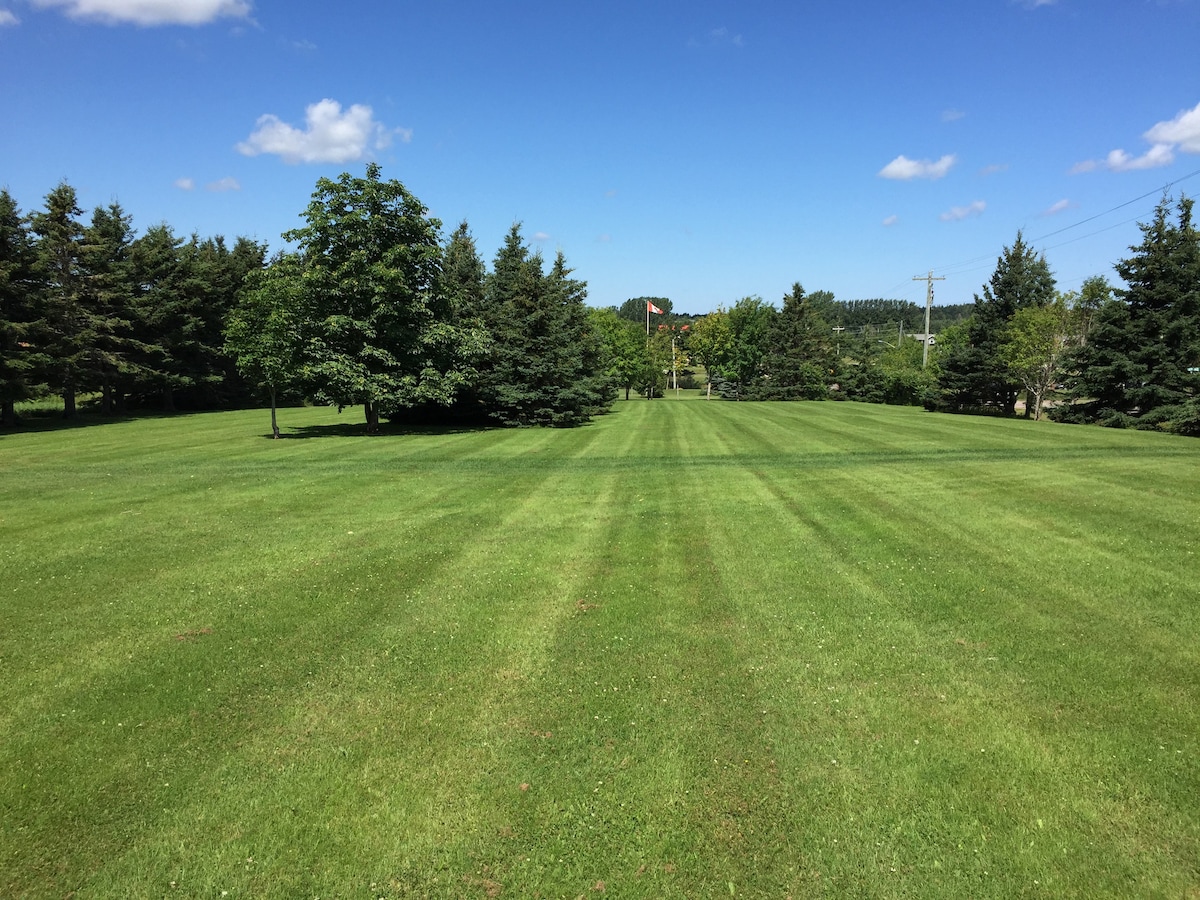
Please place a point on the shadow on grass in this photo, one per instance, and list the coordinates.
(386, 429)
(38, 422)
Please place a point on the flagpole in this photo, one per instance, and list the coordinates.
(647, 318)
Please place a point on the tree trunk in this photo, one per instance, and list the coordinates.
(274, 423)
(106, 402)
(372, 417)
(8, 414)
(68, 398)
(168, 399)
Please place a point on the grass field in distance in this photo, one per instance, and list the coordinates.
(695, 649)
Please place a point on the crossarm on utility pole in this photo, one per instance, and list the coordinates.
(929, 280)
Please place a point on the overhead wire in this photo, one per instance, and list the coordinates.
(962, 267)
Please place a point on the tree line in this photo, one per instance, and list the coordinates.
(87, 308)
(1123, 357)
(371, 308)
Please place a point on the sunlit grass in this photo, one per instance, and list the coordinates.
(694, 649)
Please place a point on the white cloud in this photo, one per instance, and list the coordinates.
(604, 239)
(225, 184)
(1183, 131)
(541, 237)
(7, 18)
(952, 115)
(994, 169)
(185, 184)
(890, 221)
(1180, 133)
(152, 12)
(329, 135)
(1058, 207)
(904, 169)
(958, 213)
(1156, 156)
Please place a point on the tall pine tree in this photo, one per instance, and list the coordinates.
(17, 295)
(975, 374)
(1143, 349)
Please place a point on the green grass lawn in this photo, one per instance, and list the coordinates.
(695, 649)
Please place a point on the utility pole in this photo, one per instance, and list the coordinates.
(929, 280)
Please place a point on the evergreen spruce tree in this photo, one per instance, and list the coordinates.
(18, 291)
(976, 375)
(798, 356)
(68, 328)
(546, 364)
(107, 276)
(1143, 349)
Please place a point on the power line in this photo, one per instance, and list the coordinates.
(968, 265)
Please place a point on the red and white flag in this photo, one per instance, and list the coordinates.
(650, 307)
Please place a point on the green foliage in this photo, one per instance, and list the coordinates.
(627, 357)
(17, 261)
(798, 360)
(546, 365)
(381, 334)
(1034, 346)
(749, 324)
(634, 310)
(267, 332)
(976, 375)
(1142, 349)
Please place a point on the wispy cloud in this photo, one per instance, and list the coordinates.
(223, 185)
(604, 239)
(718, 37)
(8, 18)
(185, 184)
(151, 12)
(541, 237)
(1060, 206)
(994, 169)
(1180, 133)
(329, 135)
(904, 169)
(952, 115)
(958, 213)
(890, 221)
(1034, 4)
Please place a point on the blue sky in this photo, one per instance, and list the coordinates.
(701, 151)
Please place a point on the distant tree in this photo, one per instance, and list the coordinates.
(976, 375)
(711, 343)
(1094, 293)
(634, 310)
(17, 292)
(627, 359)
(382, 335)
(750, 322)
(798, 358)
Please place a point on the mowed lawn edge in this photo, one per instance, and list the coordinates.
(693, 648)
